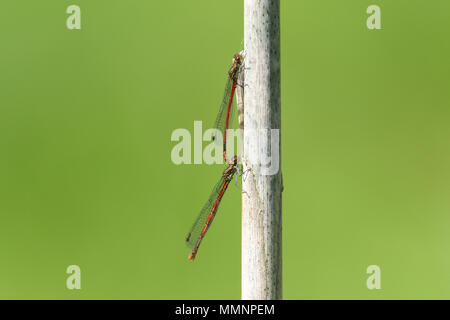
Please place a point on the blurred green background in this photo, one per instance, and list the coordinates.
(86, 176)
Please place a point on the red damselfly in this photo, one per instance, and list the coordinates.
(207, 214)
(226, 110)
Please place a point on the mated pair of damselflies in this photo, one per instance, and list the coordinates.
(209, 210)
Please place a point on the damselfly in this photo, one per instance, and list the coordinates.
(207, 214)
(226, 110)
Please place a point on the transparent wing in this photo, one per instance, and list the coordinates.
(223, 110)
(210, 208)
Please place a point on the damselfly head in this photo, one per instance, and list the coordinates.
(234, 70)
(237, 58)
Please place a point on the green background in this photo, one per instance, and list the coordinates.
(86, 176)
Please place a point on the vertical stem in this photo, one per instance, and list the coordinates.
(262, 187)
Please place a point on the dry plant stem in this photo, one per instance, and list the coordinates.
(261, 202)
